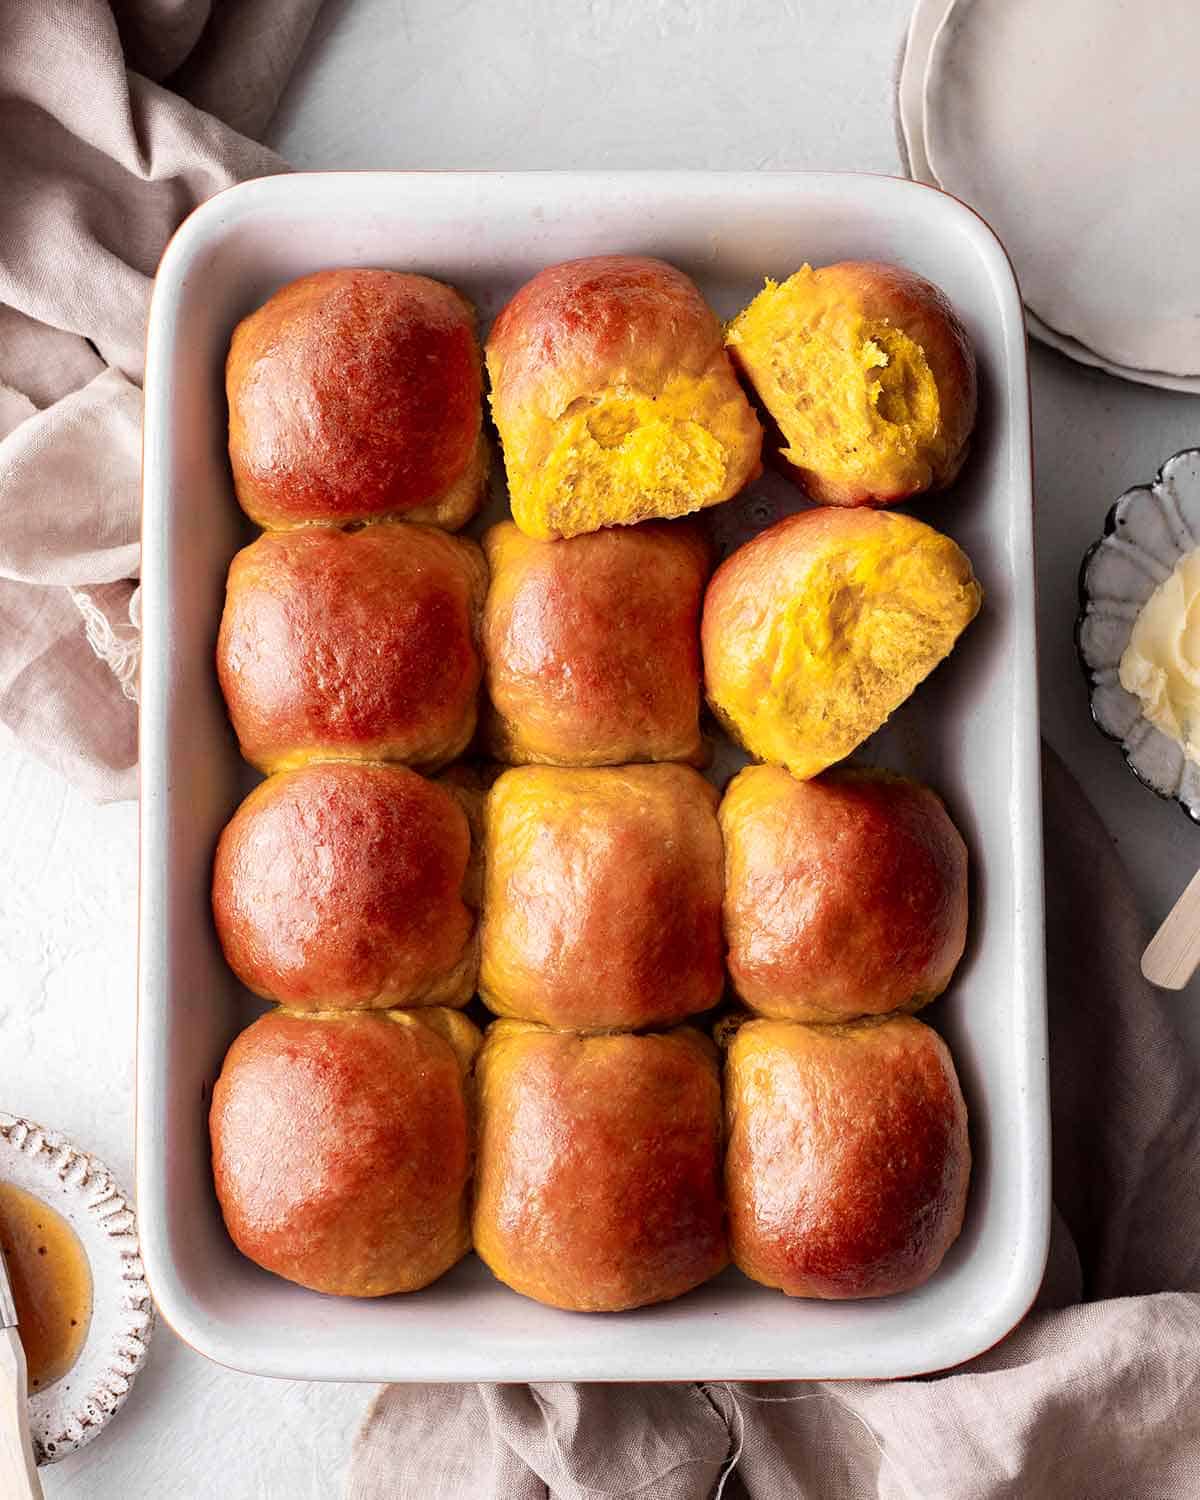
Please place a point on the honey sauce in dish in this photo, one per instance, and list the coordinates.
(51, 1282)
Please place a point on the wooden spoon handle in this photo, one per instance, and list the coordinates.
(1173, 952)
(18, 1472)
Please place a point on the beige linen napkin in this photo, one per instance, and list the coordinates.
(110, 134)
(1096, 1396)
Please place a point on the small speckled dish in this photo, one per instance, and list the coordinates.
(71, 1411)
(1147, 531)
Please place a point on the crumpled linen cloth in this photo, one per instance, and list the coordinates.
(1095, 1396)
(116, 120)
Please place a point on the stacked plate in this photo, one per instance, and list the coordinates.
(1070, 125)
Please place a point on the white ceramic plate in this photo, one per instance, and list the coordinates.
(971, 731)
(1066, 125)
(926, 21)
(70, 1412)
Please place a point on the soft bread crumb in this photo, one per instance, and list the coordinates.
(623, 456)
(853, 396)
(818, 669)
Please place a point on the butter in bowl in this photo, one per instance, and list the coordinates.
(1138, 630)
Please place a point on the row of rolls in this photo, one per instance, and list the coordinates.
(363, 1153)
(617, 394)
(607, 1144)
(602, 913)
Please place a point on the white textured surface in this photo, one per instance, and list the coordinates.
(68, 920)
(717, 83)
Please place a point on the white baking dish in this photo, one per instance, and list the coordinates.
(972, 731)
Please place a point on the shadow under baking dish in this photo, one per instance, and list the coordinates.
(971, 731)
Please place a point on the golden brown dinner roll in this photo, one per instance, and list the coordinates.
(593, 645)
(601, 897)
(614, 399)
(844, 896)
(353, 645)
(341, 886)
(817, 629)
(357, 394)
(868, 374)
(599, 1165)
(342, 1147)
(847, 1161)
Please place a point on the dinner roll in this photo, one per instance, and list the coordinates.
(593, 645)
(341, 1147)
(818, 628)
(357, 394)
(869, 376)
(341, 886)
(601, 897)
(614, 398)
(598, 1179)
(844, 896)
(847, 1161)
(353, 645)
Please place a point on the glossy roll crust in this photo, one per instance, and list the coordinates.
(359, 645)
(354, 395)
(868, 375)
(602, 896)
(614, 398)
(341, 886)
(342, 1147)
(847, 1162)
(598, 1176)
(844, 896)
(593, 645)
(817, 629)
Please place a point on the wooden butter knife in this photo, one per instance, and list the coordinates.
(1173, 952)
